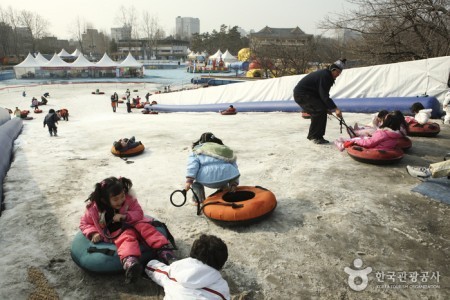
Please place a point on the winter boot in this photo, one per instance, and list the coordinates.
(133, 269)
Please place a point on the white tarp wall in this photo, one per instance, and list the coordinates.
(406, 79)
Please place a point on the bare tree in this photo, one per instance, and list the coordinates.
(128, 17)
(396, 30)
(152, 32)
(13, 21)
(36, 25)
(77, 29)
(278, 58)
(5, 33)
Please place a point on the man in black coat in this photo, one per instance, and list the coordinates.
(312, 93)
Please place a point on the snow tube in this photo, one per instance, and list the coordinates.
(247, 205)
(24, 113)
(98, 93)
(225, 112)
(375, 156)
(147, 112)
(427, 130)
(102, 257)
(130, 152)
(38, 111)
(404, 143)
(355, 105)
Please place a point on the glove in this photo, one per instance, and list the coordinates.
(348, 144)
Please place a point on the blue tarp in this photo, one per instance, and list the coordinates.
(356, 105)
(8, 133)
(436, 188)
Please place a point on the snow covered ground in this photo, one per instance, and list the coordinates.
(331, 209)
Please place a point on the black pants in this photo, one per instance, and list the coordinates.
(318, 112)
(53, 130)
(128, 107)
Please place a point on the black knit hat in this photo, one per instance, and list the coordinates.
(339, 64)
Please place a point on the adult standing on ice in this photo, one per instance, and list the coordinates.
(312, 93)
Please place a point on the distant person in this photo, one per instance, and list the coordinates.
(231, 109)
(421, 115)
(128, 93)
(24, 94)
(51, 119)
(312, 93)
(147, 96)
(116, 98)
(63, 114)
(435, 170)
(34, 103)
(128, 104)
(197, 276)
(114, 215)
(47, 94)
(446, 105)
(211, 164)
(17, 112)
(113, 102)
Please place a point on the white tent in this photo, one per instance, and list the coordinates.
(82, 62)
(106, 62)
(192, 55)
(40, 59)
(27, 68)
(216, 56)
(76, 53)
(130, 62)
(56, 62)
(64, 53)
(228, 57)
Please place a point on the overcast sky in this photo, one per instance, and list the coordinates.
(250, 14)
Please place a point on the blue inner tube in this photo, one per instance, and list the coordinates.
(102, 257)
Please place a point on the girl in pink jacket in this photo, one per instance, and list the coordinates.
(384, 138)
(113, 215)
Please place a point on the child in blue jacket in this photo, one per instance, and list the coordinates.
(211, 164)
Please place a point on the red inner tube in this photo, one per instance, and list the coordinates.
(375, 156)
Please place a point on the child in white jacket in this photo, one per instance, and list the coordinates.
(421, 114)
(195, 277)
(446, 105)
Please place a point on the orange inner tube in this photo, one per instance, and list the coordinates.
(252, 203)
(130, 152)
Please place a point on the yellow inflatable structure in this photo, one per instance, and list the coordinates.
(244, 54)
